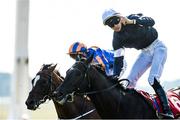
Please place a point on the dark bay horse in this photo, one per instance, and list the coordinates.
(110, 99)
(45, 82)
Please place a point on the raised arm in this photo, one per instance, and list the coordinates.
(141, 20)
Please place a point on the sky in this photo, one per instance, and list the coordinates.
(55, 24)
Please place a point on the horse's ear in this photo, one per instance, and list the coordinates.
(52, 67)
(89, 59)
(42, 67)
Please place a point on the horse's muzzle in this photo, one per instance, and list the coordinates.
(31, 104)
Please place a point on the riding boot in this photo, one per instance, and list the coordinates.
(163, 99)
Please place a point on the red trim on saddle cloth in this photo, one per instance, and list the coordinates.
(173, 99)
(151, 98)
(174, 102)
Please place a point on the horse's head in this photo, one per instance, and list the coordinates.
(76, 81)
(43, 85)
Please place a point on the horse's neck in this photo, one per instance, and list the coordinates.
(63, 111)
(59, 109)
(97, 80)
(108, 100)
(56, 81)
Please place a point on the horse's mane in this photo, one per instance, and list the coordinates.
(58, 73)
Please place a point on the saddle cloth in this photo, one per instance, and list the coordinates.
(173, 100)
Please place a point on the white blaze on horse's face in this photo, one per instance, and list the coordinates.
(36, 79)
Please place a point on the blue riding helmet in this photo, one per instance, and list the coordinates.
(77, 49)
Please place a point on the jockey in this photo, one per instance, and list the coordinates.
(104, 58)
(137, 31)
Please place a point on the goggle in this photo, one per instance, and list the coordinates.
(113, 21)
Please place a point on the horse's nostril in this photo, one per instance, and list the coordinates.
(30, 102)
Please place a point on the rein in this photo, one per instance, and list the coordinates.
(98, 91)
(80, 116)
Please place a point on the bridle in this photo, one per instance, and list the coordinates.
(50, 90)
(51, 87)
